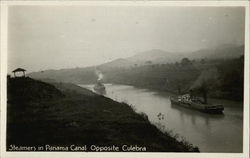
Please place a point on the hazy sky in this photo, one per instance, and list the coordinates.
(52, 37)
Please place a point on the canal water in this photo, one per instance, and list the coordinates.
(211, 133)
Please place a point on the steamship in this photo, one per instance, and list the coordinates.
(196, 104)
(99, 88)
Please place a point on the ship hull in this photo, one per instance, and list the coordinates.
(100, 89)
(206, 108)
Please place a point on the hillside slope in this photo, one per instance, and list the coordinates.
(25, 89)
(64, 120)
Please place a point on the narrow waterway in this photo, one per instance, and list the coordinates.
(211, 133)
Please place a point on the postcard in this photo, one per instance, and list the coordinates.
(124, 79)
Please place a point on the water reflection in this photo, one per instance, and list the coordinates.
(195, 114)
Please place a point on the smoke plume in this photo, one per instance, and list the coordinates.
(208, 76)
(99, 75)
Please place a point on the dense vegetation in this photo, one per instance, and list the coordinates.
(169, 77)
(230, 83)
(218, 77)
(64, 114)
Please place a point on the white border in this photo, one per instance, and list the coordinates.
(3, 70)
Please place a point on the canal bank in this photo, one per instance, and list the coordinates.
(212, 133)
(68, 118)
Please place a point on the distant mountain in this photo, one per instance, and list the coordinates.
(220, 52)
(154, 56)
(157, 56)
(118, 63)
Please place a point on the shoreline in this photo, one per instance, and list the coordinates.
(193, 121)
(171, 93)
(85, 119)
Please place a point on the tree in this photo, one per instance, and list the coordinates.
(185, 62)
(203, 61)
(148, 62)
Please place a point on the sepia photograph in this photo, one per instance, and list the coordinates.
(126, 78)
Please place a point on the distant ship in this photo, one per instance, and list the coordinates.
(195, 103)
(99, 88)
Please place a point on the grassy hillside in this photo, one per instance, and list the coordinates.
(25, 89)
(60, 118)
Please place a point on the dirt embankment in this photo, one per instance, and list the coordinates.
(66, 117)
